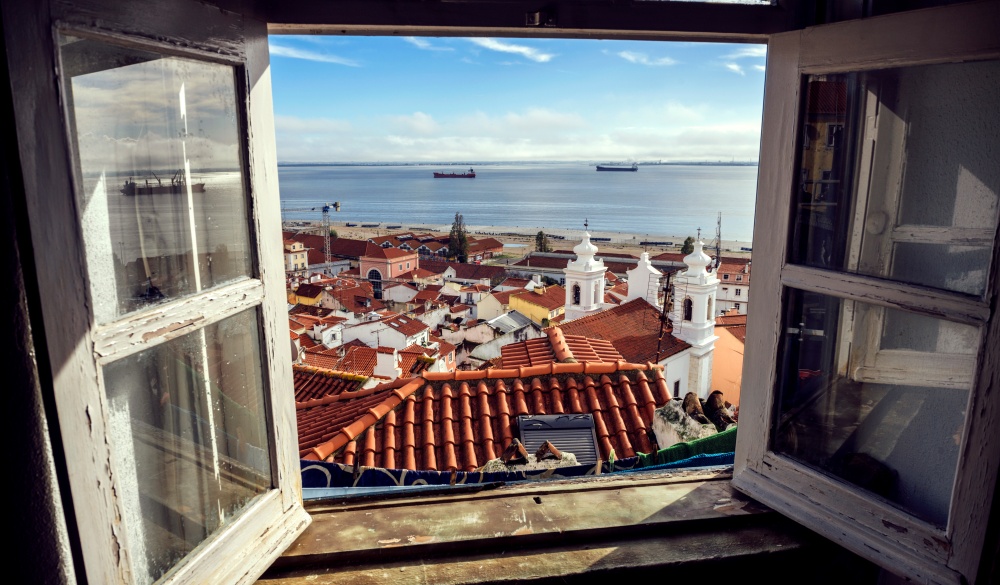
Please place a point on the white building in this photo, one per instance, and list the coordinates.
(693, 317)
(584, 281)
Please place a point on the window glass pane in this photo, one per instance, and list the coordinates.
(899, 176)
(188, 426)
(876, 397)
(162, 202)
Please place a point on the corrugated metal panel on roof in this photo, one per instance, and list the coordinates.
(570, 433)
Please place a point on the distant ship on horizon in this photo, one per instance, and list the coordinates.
(619, 167)
(469, 175)
(176, 186)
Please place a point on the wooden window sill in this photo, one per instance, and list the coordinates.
(677, 519)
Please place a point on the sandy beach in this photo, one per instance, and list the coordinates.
(521, 240)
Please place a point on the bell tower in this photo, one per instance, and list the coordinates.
(693, 316)
(584, 281)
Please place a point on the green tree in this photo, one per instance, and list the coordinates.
(542, 242)
(333, 233)
(458, 239)
(688, 246)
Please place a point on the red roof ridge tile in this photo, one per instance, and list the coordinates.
(559, 347)
(349, 433)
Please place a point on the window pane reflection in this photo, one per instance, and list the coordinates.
(187, 422)
(876, 396)
(898, 174)
(162, 201)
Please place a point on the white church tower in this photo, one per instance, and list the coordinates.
(584, 281)
(693, 317)
(644, 282)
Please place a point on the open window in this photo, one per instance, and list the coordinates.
(874, 338)
(155, 223)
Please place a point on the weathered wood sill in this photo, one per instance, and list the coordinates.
(681, 522)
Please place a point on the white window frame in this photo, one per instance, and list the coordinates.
(842, 512)
(77, 348)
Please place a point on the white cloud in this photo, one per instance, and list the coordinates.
(758, 51)
(503, 47)
(417, 123)
(294, 53)
(759, 67)
(735, 68)
(643, 59)
(309, 125)
(425, 44)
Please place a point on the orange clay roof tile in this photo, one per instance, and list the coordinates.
(461, 420)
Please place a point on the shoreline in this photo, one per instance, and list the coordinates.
(521, 240)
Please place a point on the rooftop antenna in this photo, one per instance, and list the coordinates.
(718, 241)
(663, 313)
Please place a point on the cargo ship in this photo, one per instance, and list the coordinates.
(613, 167)
(469, 175)
(176, 186)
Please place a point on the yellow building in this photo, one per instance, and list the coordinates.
(544, 303)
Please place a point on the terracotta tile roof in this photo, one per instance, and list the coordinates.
(465, 271)
(459, 308)
(633, 328)
(413, 363)
(415, 274)
(503, 297)
(343, 247)
(734, 268)
(320, 360)
(358, 360)
(484, 244)
(380, 253)
(669, 257)
(444, 348)
(739, 332)
(426, 295)
(557, 263)
(306, 342)
(406, 325)
(297, 325)
(515, 282)
(313, 310)
(313, 384)
(476, 288)
(461, 420)
(354, 299)
(532, 352)
(414, 348)
(557, 347)
(310, 291)
(319, 421)
(549, 297)
(728, 320)
(293, 335)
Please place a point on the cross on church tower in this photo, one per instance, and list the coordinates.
(585, 224)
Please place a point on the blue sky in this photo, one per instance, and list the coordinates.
(393, 99)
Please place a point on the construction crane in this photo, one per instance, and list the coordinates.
(325, 209)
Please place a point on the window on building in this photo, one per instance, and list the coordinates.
(576, 294)
(725, 277)
(677, 388)
(739, 292)
(688, 309)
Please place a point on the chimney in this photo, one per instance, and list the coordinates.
(386, 363)
(537, 278)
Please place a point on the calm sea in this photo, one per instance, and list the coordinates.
(657, 200)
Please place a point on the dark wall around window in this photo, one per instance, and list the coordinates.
(33, 512)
